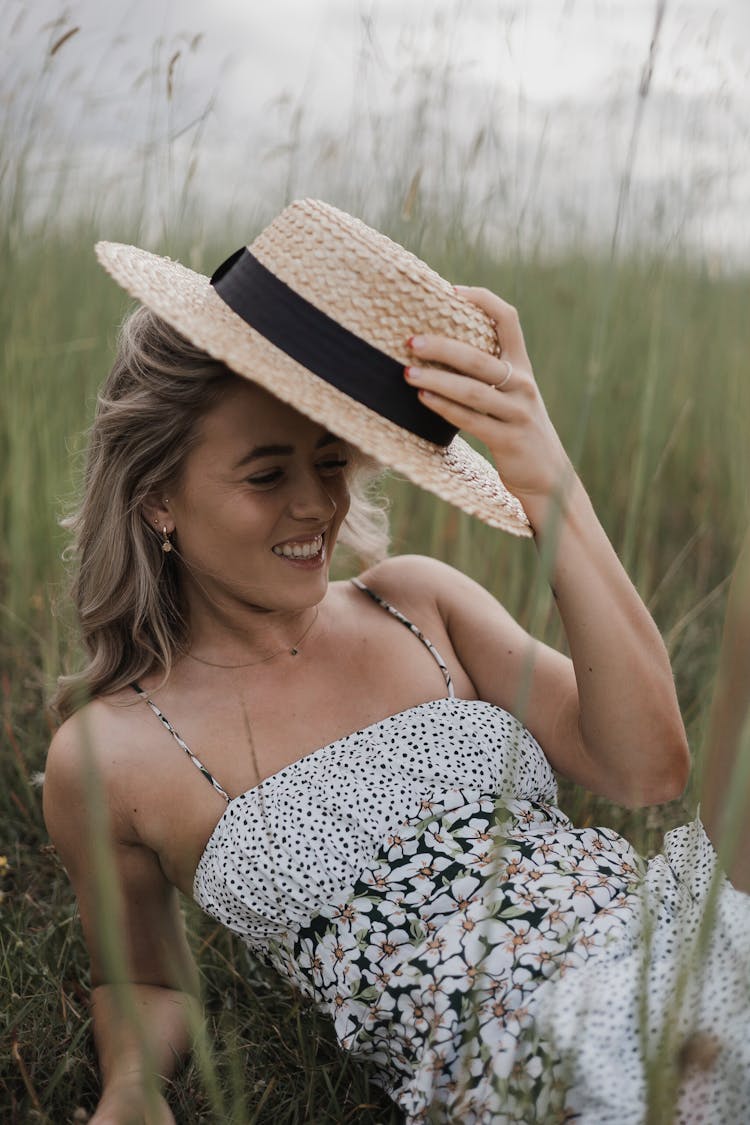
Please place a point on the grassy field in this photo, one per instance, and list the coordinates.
(643, 366)
(642, 361)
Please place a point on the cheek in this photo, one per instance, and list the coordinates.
(218, 528)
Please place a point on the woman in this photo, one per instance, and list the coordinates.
(413, 877)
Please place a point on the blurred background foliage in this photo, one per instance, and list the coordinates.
(641, 351)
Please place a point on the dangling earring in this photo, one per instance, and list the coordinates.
(166, 546)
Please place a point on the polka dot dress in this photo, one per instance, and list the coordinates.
(495, 964)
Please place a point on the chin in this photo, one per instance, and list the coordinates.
(300, 589)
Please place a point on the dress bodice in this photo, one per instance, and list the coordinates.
(285, 848)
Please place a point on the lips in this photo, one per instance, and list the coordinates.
(300, 548)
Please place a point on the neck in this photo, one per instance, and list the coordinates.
(243, 633)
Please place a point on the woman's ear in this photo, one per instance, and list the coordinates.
(157, 514)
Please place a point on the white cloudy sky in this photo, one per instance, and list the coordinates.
(520, 111)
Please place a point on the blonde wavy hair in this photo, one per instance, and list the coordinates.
(128, 597)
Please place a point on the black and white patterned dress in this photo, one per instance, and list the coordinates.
(494, 963)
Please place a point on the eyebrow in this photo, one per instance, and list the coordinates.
(259, 451)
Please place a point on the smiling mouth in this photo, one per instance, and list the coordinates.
(309, 549)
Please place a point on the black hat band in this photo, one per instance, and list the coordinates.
(323, 346)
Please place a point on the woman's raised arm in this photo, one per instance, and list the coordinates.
(141, 991)
(610, 720)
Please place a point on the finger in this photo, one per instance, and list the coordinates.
(482, 426)
(464, 358)
(505, 315)
(463, 390)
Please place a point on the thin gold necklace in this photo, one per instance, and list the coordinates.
(293, 651)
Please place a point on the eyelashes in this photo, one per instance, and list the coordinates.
(340, 463)
(268, 478)
(275, 475)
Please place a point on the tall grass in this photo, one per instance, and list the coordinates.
(642, 360)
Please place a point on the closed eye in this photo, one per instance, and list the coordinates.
(333, 465)
(266, 478)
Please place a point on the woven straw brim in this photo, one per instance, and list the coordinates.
(186, 300)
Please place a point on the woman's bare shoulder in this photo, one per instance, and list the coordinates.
(422, 582)
(103, 734)
(414, 575)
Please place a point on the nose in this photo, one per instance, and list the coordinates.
(311, 499)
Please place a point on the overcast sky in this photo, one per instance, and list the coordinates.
(522, 110)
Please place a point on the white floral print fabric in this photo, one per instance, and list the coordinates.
(430, 967)
(493, 962)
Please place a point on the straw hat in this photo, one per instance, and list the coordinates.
(317, 310)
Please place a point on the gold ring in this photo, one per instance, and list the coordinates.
(499, 386)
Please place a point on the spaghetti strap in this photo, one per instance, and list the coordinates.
(180, 741)
(417, 633)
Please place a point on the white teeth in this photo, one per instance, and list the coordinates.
(300, 550)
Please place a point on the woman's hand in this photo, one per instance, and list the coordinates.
(496, 399)
(125, 1102)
